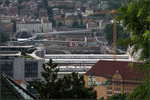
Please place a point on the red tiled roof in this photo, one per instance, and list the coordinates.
(109, 68)
(18, 81)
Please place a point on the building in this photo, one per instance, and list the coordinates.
(34, 26)
(103, 5)
(57, 13)
(121, 79)
(22, 83)
(78, 4)
(69, 20)
(87, 12)
(70, 12)
(23, 35)
(17, 66)
(11, 90)
(54, 3)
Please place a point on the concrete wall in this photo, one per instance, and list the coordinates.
(40, 69)
(19, 68)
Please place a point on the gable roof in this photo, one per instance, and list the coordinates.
(11, 90)
(20, 81)
(109, 68)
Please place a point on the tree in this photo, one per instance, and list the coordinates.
(4, 37)
(20, 1)
(68, 87)
(136, 19)
(45, 4)
(7, 2)
(1, 2)
(19, 8)
(47, 89)
(60, 24)
(14, 25)
(73, 88)
(75, 24)
(118, 97)
(108, 30)
(108, 16)
(114, 4)
(80, 15)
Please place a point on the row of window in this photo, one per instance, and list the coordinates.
(117, 89)
(109, 88)
(109, 92)
(31, 69)
(127, 89)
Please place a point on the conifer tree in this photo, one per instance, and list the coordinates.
(71, 86)
(46, 90)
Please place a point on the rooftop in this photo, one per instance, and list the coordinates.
(108, 69)
(11, 90)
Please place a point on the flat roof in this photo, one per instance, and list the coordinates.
(82, 61)
(28, 46)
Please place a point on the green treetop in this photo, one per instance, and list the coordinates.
(71, 86)
(136, 18)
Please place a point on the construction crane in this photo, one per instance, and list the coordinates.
(114, 28)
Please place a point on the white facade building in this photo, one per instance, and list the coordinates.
(103, 5)
(34, 26)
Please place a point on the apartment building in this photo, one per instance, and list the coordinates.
(18, 66)
(34, 26)
(118, 74)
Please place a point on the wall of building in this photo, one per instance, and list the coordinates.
(34, 27)
(101, 90)
(118, 85)
(19, 68)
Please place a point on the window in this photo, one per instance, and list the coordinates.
(117, 84)
(117, 89)
(7, 68)
(109, 88)
(124, 89)
(127, 89)
(31, 69)
(109, 92)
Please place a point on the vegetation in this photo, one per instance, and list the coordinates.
(4, 37)
(60, 24)
(118, 97)
(14, 25)
(24, 51)
(69, 87)
(136, 19)
(20, 1)
(109, 16)
(121, 34)
(65, 7)
(7, 2)
(75, 24)
(19, 8)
